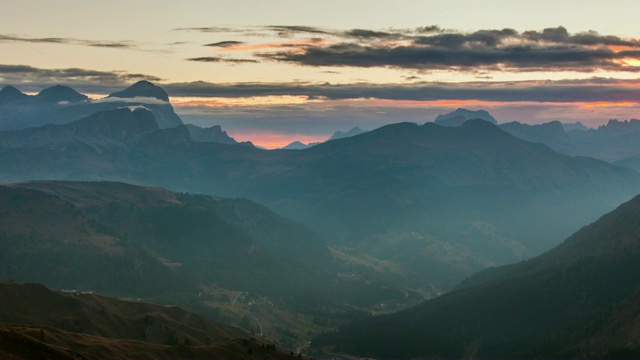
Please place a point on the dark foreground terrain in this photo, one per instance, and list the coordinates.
(37, 323)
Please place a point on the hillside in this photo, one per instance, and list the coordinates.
(571, 301)
(162, 235)
(36, 322)
(231, 259)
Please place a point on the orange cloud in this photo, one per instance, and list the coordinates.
(603, 104)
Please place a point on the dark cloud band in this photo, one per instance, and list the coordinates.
(433, 48)
(217, 59)
(590, 90)
(70, 41)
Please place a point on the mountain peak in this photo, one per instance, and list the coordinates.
(59, 93)
(460, 116)
(341, 134)
(142, 88)
(210, 134)
(11, 94)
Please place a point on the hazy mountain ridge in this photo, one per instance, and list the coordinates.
(345, 134)
(616, 142)
(61, 105)
(459, 116)
(297, 145)
(363, 190)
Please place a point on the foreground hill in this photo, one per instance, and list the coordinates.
(37, 323)
(438, 203)
(577, 300)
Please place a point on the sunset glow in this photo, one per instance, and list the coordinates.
(248, 101)
(263, 71)
(275, 140)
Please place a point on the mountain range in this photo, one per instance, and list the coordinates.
(377, 221)
(577, 300)
(616, 142)
(61, 105)
(297, 145)
(439, 202)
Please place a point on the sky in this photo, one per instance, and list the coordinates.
(277, 71)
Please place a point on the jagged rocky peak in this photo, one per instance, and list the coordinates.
(460, 116)
(142, 88)
(210, 134)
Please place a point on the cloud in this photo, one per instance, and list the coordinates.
(289, 31)
(135, 107)
(428, 29)
(452, 53)
(217, 59)
(363, 34)
(490, 38)
(210, 29)
(561, 35)
(35, 79)
(564, 91)
(225, 44)
(433, 48)
(70, 41)
(135, 100)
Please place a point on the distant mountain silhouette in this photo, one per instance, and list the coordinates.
(341, 135)
(460, 116)
(57, 94)
(617, 142)
(38, 323)
(574, 126)
(551, 134)
(142, 89)
(297, 145)
(212, 134)
(61, 105)
(577, 300)
(9, 94)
